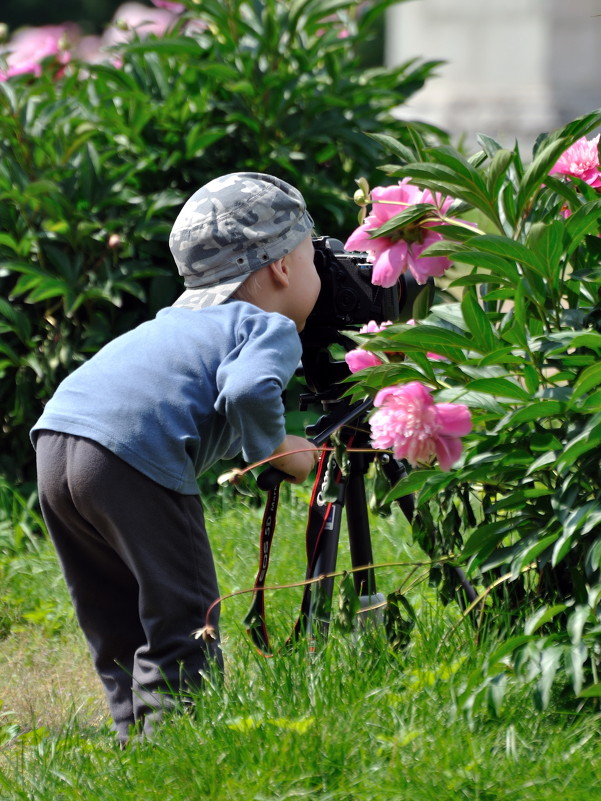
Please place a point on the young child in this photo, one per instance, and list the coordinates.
(122, 441)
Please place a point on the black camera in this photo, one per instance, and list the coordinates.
(347, 300)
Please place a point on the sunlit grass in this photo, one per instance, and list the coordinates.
(356, 721)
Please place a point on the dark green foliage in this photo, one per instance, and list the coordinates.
(521, 510)
(97, 161)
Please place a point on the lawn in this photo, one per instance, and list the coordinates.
(358, 720)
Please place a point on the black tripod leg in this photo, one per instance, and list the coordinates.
(318, 613)
(371, 602)
(359, 535)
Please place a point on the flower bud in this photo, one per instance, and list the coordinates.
(359, 198)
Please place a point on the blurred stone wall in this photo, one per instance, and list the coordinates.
(514, 68)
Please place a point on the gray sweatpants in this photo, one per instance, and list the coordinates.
(138, 564)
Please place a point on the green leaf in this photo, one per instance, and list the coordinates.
(543, 615)
(410, 484)
(531, 553)
(593, 557)
(587, 440)
(590, 377)
(536, 410)
(580, 520)
(475, 400)
(592, 691)
(500, 388)
(588, 340)
(582, 222)
(423, 337)
(508, 647)
(7, 241)
(485, 538)
(409, 216)
(423, 302)
(184, 46)
(581, 126)
(576, 622)
(544, 460)
(439, 178)
(537, 172)
(502, 356)
(478, 322)
(577, 656)
(395, 147)
(497, 172)
(549, 663)
(433, 486)
(546, 240)
(510, 249)
(463, 170)
(490, 146)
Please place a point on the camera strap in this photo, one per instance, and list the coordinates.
(319, 514)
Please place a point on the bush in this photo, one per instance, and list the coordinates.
(521, 510)
(98, 158)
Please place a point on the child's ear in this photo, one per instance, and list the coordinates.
(279, 272)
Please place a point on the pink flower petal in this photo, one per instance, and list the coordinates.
(455, 419)
(358, 240)
(388, 201)
(359, 359)
(390, 264)
(448, 450)
(374, 328)
(423, 268)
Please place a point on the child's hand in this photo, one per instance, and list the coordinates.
(296, 465)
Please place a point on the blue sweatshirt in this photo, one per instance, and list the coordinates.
(182, 391)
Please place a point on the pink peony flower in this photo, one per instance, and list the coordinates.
(393, 255)
(133, 19)
(581, 160)
(359, 359)
(408, 421)
(28, 47)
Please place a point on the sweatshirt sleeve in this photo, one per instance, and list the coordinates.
(250, 382)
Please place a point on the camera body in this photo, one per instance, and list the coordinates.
(347, 300)
(347, 297)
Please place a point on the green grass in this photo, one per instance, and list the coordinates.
(357, 721)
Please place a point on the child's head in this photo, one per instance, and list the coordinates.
(232, 227)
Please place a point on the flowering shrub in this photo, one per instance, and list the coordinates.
(102, 142)
(520, 510)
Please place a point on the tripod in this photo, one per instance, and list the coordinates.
(335, 491)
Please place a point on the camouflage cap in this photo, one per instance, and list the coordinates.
(231, 227)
